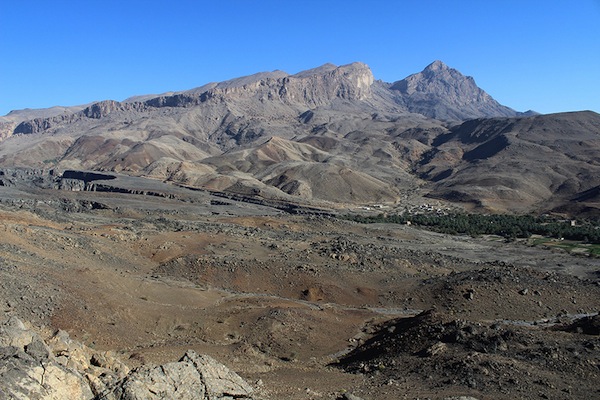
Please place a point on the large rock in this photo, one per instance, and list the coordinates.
(62, 368)
(28, 370)
(193, 377)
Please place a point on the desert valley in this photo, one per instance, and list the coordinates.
(151, 247)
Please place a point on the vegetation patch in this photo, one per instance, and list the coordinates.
(569, 233)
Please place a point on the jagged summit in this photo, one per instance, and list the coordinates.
(437, 65)
(439, 80)
(444, 93)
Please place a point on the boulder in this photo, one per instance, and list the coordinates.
(28, 370)
(193, 377)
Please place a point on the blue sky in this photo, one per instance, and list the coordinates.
(541, 55)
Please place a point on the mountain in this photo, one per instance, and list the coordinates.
(518, 163)
(177, 136)
(332, 135)
(444, 93)
(437, 92)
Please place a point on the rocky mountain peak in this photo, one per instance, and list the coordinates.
(444, 93)
(437, 65)
(438, 79)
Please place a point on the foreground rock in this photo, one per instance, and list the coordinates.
(61, 368)
(193, 377)
(29, 369)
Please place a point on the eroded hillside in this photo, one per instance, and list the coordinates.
(330, 134)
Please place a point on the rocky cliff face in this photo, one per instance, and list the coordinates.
(317, 87)
(38, 125)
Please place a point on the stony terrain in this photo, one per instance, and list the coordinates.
(302, 306)
(501, 360)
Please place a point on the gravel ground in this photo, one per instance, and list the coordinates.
(302, 306)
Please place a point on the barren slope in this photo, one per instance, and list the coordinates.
(520, 164)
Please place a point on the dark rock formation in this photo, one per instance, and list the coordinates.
(86, 176)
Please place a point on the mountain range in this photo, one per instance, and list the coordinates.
(332, 136)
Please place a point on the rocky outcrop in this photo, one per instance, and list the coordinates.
(28, 176)
(30, 370)
(101, 109)
(6, 129)
(77, 181)
(178, 100)
(204, 378)
(95, 111)
(72, 185)
(61, 368)
(38, 125)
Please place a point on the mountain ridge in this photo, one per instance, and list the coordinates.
(235, 83)
(330, 134)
